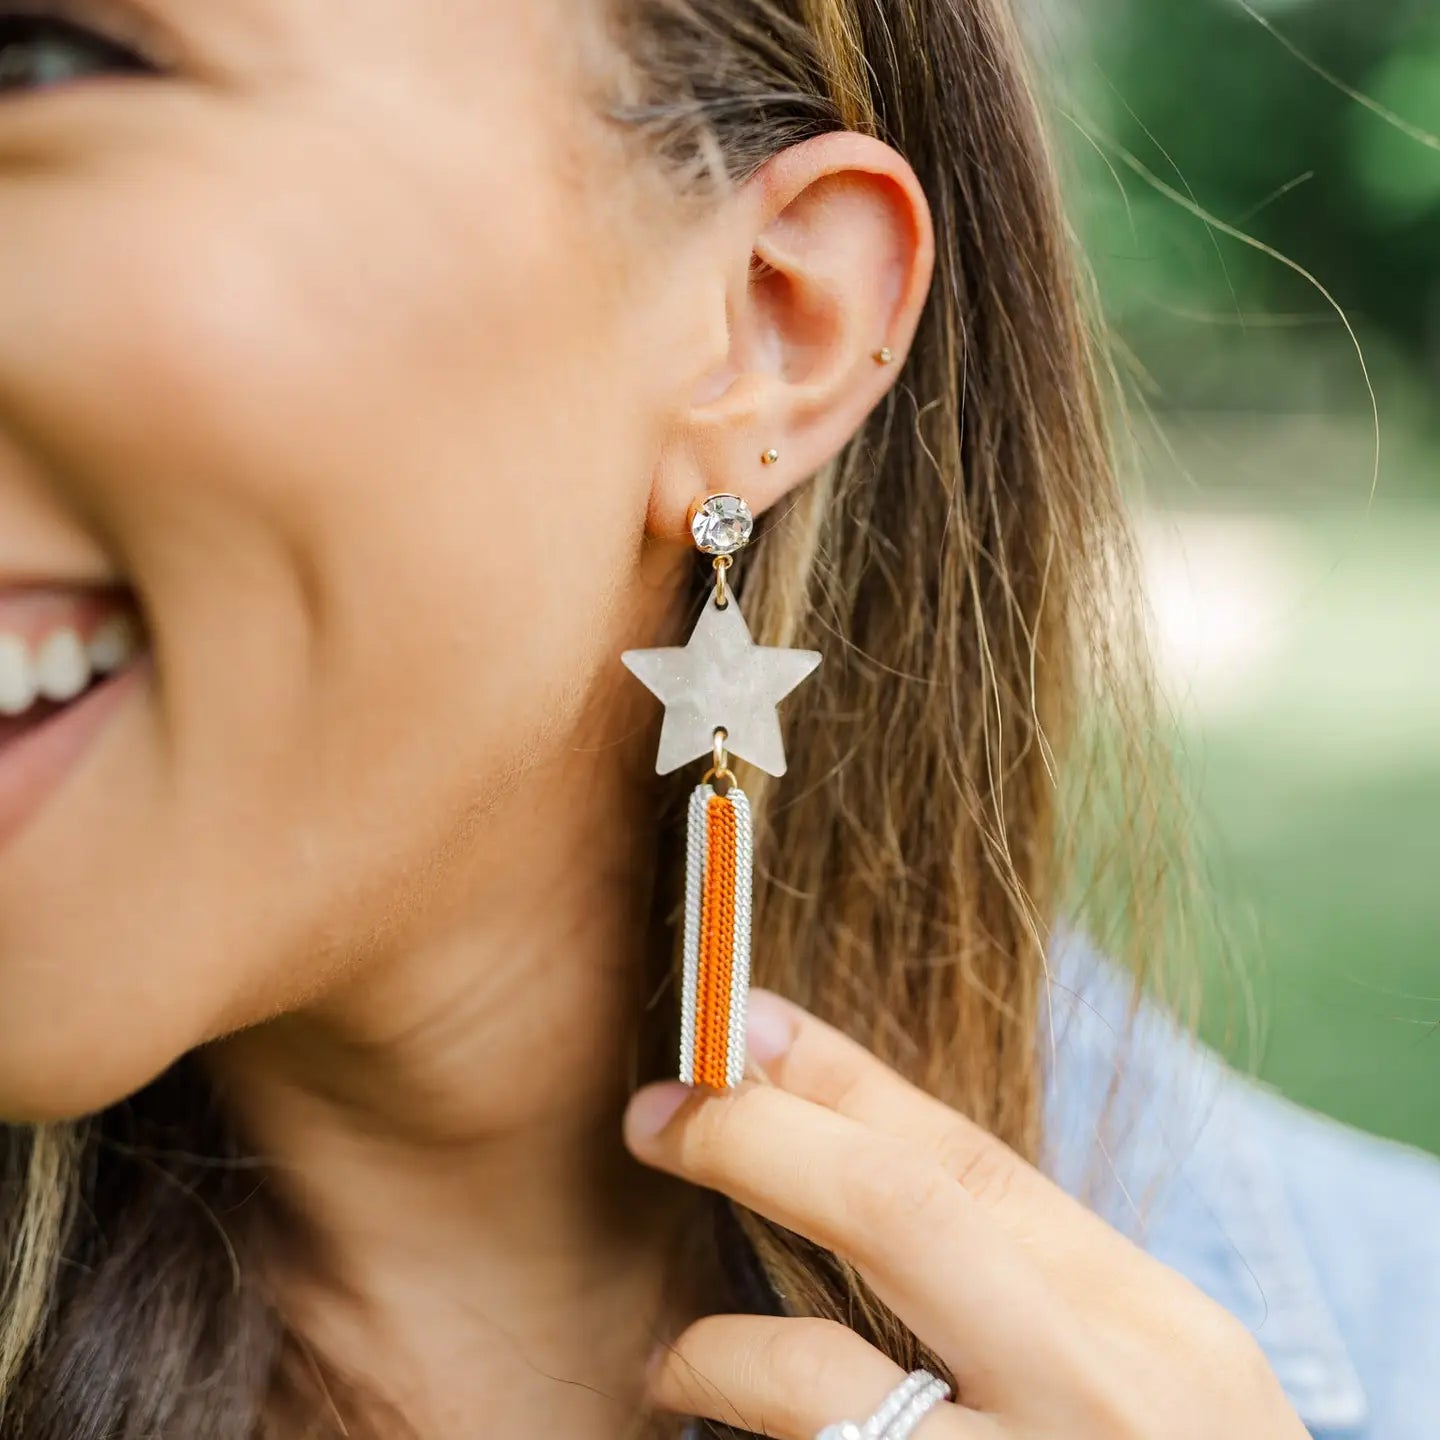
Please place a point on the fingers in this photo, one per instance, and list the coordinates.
(809, 1058)
(946, 1268)
(787, 1379)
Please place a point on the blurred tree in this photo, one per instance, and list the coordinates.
(1243, 105)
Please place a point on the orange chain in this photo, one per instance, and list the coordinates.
(717, 946)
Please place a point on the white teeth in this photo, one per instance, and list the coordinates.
(18, 686)
(114, 643)
(64, 665)
(62, 668)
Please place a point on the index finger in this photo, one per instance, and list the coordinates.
(928, 1251)
(803, 1055)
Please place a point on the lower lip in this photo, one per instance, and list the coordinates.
(35, 762)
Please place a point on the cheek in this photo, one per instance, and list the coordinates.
(360, 437)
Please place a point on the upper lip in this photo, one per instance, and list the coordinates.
(19, 583)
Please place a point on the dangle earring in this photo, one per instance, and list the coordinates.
(720, 692)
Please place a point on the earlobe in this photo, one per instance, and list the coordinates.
(822, 307)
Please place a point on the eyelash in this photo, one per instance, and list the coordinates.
(101, 22)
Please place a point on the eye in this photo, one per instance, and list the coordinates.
(37, 52)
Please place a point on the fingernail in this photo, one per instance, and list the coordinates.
(769, 1026)
(652, 1108)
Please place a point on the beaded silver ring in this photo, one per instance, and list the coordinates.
(898, 1414)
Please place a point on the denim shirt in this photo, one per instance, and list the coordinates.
(1325, 1241)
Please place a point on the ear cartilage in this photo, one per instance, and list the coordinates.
(716, 979)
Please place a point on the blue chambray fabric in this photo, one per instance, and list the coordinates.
(1323, 1240)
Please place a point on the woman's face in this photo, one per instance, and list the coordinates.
(349, 348)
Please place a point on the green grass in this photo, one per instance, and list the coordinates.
(1340, 873)
(1320, 793)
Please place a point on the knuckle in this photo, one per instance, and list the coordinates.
(1217, 1341)
(802, 1357)
(719, 1128)
(839, 1082)
(890, 1187)
(979, 1163)
(806, 1067)
(1225, 1346)
(1116, 1384)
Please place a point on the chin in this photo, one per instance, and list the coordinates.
(67, 1075)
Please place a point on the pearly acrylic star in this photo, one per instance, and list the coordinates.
(721, 677)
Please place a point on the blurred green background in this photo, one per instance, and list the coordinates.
(1296, 600)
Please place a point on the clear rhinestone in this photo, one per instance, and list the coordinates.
(846, 1430)
(722, 525)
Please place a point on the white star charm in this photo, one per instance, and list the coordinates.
(721, 677)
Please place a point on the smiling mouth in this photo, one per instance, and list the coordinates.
(57, 645)
(67, 656)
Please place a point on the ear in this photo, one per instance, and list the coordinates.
(829, 262)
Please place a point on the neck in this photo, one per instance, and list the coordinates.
(481, 1251)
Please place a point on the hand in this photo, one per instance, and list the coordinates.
(1054, 1325)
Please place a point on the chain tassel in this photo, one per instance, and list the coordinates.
(719, 864)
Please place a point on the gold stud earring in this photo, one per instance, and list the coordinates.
(884, 356)
(770, 457)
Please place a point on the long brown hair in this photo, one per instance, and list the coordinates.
(975, 760)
